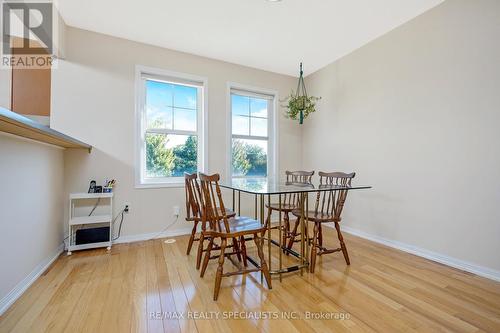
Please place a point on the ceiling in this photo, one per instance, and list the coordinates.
(273, 36)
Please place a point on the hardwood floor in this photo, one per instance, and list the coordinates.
(383, 290)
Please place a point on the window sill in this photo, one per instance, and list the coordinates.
(160, 185)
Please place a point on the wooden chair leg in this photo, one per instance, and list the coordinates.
(320, 236)
(293, 234)
(243, 250)
(237, 249)
(286, 230)
(208, 253)
(342, 244)
(263, 264)
(314, 248)
(287, 221)
(191, 239)
(200, 251)
(218, 276)
(268, 220)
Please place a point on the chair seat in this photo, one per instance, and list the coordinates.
(240, 225)
(229, 212)
(243, 223)
(284, 207)
(316, 217)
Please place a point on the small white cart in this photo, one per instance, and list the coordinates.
(101, 218)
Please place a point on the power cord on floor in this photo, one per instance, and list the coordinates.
(112, 222)
(83, 225)
(121, 222)
(95, 206)
(154, 237)
(165, 229)
(121, 214)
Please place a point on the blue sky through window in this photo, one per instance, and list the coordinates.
(249, 120)
(171, 106)
(249, 115)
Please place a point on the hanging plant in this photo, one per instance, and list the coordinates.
(299, 106)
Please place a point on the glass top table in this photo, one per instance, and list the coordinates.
(277, 186)
(262, 188)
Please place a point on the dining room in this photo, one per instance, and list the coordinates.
(250, 166)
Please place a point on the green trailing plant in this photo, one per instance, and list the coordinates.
(299, 106)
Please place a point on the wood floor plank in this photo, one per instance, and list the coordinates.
(226, 303)
(85, 304)
(165, 290)
(181, 301)
(205, 292)
(29, 305)
(153, 293)
(189, 286)
(139, 292)
(383, 290)
(55, 315)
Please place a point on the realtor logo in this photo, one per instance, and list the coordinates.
(27, 34)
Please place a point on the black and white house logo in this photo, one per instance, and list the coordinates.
(27, 34)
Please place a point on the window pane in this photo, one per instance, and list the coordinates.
(170, 155)
(259, 127)
(258, 107)
(158, 94)
(184, 119)
(158, 104)
(240, 125)
(185, 149)
(249, 157)
(159, 118)
(185, 97)
(240, 105)
(159, 158)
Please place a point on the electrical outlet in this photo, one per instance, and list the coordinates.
(176, 211)
(127, 207)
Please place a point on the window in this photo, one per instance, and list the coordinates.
(252, 146)
(170, 120)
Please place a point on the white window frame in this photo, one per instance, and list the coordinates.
(272, 128)
(142, 73)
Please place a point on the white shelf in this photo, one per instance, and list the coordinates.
(90, 195)
(88, 246)
(13, 123)
(90, 219)
(75, 221)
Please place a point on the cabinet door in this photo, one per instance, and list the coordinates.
(31, 91)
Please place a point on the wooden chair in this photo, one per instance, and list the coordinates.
(290, 202)
(223, 228)
(328, 208)
(193, 209)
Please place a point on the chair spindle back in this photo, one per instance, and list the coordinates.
(193, 197)
(296, 177)
(332, 202)
(212, 198)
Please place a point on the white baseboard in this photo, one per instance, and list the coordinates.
(22, 286)
(143, 237)
(434, 256)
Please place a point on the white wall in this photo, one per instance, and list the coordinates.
(31, 205)
(31, 214)
(93, 100)
(416, 114)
